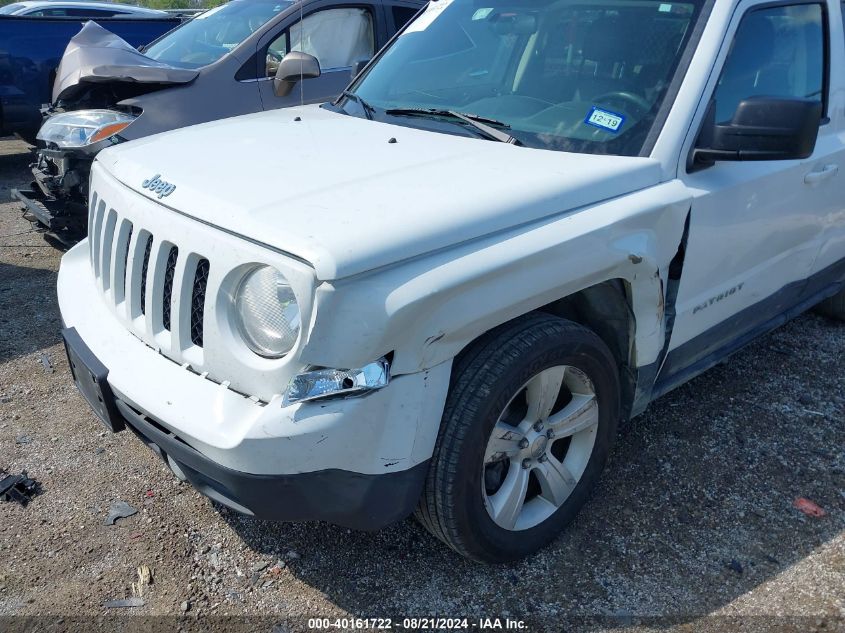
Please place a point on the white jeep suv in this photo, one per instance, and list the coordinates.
(443, 292)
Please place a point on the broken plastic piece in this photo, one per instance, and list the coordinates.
(44, 359)
(810, 508)
(18, 488)
(119, 510)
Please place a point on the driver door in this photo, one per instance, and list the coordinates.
(755, 226)
(338, 36)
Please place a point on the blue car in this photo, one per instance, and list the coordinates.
(32, 46)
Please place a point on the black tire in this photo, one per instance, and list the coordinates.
(484, 378)
(833, 307)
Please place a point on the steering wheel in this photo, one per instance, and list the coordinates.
(628, 97)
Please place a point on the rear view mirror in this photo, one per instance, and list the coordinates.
(510, 23)
(294, 67)
(762, 128)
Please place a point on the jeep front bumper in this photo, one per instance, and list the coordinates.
(358, 462)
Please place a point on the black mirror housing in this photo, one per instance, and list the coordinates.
(294, 67)
(762, 128)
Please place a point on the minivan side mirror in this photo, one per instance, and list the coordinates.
(762, 128)
(294, 67)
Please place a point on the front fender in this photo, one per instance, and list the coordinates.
(428, 309)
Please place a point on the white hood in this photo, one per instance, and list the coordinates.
(332, 189)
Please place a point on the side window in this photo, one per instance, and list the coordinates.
(93, 13)
(776, 52)
(336, 37)
(278, 48)
(402, 15)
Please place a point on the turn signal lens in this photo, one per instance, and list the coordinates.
(109, 130)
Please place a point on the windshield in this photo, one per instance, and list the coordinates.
(212, 34)
(572, 75)
(10, 8)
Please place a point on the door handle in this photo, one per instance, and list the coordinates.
(817, 175)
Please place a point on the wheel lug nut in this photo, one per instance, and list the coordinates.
(538, 426)
(550, 434)
(542, 458)
(523, 443)
(526, 464)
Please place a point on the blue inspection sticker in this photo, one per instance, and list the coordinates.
(605, 119)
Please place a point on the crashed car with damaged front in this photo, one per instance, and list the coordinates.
(243, 56)
(443, 292)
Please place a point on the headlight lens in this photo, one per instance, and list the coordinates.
(267, 313)
(84, 127)
(322, 383)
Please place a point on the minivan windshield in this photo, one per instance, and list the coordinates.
(583, 76)
(212, 34)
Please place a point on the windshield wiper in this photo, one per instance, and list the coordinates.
(480, 123)
(366, 107)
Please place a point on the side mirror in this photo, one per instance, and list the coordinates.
(294, 67)
(762, 128)
(358, 66)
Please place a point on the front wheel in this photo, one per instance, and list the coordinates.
(529, 421)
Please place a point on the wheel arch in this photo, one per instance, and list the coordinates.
(605, 308)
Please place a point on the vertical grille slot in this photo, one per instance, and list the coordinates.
(92, 206)
(169, 272)
(96, 232)
(144, 266)
(123, 237)
(198, 301)
(106, 244)
(126, 258)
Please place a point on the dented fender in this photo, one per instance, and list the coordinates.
(427, 310)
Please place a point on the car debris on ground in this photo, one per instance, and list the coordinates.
(19, 488)
(810, 508)
(119, 510)
(46, 363)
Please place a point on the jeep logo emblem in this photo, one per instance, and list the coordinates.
(160, 187)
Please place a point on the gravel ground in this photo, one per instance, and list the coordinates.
(692, 528)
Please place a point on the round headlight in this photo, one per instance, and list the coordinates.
(267, 313)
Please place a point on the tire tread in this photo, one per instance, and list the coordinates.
(482, 363)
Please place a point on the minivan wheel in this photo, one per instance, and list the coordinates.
(529, 421)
